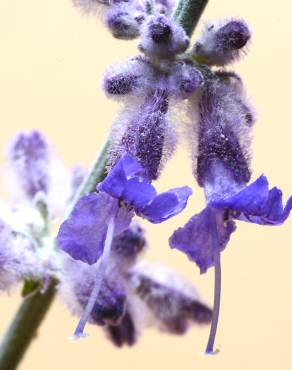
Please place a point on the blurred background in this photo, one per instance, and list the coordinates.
(52, 58)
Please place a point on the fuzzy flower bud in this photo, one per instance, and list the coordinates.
(223, 43)
(33, 168)
(131, 77)
(162, 38)
(29, 157)
(124, 22)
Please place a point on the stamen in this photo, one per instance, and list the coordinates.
(79, 331)
(217, 291)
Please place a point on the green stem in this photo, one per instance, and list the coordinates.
(32, 311)
(188, 13)
(24, 327)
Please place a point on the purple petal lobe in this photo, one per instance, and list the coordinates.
(138, 193)
(250, 200)
(82, 236)
(116, 181)
(167, 205)
(257, 204)
(196, 238)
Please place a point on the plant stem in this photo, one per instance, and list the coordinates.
(24, 327)
(28, 318)
(188, 13)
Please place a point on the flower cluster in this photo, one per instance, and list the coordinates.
(150, 86)
(116, 292)
(98, 246)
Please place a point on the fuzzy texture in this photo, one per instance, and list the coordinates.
(128, 246)
(77, 282)
(132, 77)
(173, 304)
(224, 133)
(124, 22)
(162, 38)
(222, 43)
(133, 295)
(18, 260)
(145, 136)
(29, 156)
(33, 167)
(184, 79)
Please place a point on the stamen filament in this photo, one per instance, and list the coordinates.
(79, 331)
(217, 293)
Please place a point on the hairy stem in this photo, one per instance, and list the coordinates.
(32, 310)
(188, 13)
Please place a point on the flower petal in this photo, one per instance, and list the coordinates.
(116, 180)
(167, 205)
(82, 236)
(196, 238)
(138, 193)
(257, 204)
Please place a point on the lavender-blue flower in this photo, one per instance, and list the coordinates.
(83, 234)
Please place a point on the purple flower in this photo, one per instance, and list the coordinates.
(124, 190)
(222, 168)
(98, 217)
(223, 43)
(255, 203)
(132, 295)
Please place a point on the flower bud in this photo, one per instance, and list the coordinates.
(222, 44)
(162, 38)
(124, 22)
(29, 158)
(131, 77)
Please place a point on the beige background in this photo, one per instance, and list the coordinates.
(52, 58)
